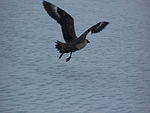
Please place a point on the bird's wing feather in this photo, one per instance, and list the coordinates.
(94, 29)
(99, 27)
(63, 18)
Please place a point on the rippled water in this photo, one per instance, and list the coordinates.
(110, 75)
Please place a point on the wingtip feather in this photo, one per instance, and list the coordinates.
(99, 27)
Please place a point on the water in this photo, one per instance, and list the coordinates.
(110, 75)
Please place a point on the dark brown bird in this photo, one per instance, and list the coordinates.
(72, 42)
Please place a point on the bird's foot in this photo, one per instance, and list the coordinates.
(67, 59)
(61, 55)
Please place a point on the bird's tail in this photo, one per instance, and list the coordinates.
(59, 46)
(62, 47)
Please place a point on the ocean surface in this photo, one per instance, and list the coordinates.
(110, 75)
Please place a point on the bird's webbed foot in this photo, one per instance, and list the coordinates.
(61, 55)
(67, 59)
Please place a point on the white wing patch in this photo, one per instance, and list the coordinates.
(55, 10)
(100, 25)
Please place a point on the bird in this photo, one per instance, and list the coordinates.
(72, 42)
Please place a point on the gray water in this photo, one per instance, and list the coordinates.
(110, 75)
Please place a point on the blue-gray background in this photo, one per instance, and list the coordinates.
(110, 75)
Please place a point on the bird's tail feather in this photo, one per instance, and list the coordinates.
(62, 47)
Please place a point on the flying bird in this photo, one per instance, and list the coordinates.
(72, 42)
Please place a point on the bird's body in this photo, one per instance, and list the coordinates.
(71, 46)
(72, 42)
(81, 45)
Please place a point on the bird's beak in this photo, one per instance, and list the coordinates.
(88, 41)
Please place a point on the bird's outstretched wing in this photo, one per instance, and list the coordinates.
(63, 18)
(94, 29)
(99, 27)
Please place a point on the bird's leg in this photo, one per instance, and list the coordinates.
(61, 55)
(69, 57)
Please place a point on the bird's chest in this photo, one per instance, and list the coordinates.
(81, 45)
